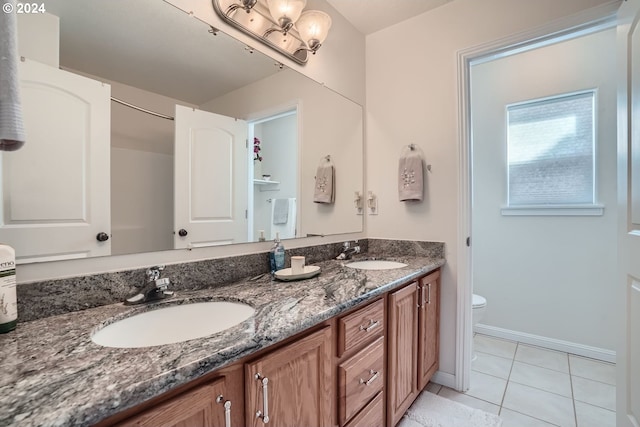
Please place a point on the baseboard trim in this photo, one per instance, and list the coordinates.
(550, 343)
(445, 379)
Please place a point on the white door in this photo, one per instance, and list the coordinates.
(55, 189)
(211, 182)
(628, 352)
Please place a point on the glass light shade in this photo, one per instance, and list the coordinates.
(313, 27)
(286, 12)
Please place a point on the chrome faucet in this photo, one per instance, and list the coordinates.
(348, 250)
(154, 289)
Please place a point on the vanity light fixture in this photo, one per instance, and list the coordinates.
(283, 25)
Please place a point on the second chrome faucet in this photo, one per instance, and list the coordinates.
(155, 287)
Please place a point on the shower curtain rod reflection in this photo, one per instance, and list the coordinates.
(144, 110)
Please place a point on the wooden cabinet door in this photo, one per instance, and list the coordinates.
(402, 332)
(194, 408)
(218, 403)
(292, 385)
(429, 329)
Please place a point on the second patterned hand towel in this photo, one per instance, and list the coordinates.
(324, 191)
(410, 176)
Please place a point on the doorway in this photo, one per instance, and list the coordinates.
(544, 35)
(273, 176)
(543, 192)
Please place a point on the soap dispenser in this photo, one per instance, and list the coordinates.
(276, 255)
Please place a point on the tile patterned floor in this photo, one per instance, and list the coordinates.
(535, 387)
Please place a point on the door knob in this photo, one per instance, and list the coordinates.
(102, 237)
(182, 232)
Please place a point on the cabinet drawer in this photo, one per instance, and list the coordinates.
(360, 378)
(372, 415)
(360, 326)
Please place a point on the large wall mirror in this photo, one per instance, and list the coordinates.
(148, 130)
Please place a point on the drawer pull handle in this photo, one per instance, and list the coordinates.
(264, 416)
(370, 326)
(374, 375)
(227, 410)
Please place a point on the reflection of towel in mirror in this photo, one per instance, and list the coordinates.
(11, 128)
(410, 180)
(324, 189)
(281, 211)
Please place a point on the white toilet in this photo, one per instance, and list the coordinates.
(479, 304)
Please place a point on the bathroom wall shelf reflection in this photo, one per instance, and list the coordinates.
(264, 182)
(266, 185)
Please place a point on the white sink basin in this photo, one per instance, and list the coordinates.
(176, 323)
(376, 264)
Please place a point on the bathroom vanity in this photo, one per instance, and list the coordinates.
(334, 374)
(349, 348)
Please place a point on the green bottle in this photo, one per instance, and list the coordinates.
(8, 301)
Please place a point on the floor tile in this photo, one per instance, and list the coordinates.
(516, 419)
(469, 401)
(543, 357)
(487, 387)
(433, 388)
(592, 416)
(540, 404)
(594, 393)
(542, 378)
(495, 346)
(593, 369)
(492, 365)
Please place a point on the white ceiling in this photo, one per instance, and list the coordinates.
(154, 46)
(138, 43)
(369, 16)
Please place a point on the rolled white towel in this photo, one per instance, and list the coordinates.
(12, 134)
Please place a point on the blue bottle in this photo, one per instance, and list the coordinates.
(276, 255)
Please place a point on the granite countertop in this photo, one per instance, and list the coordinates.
(52, 374)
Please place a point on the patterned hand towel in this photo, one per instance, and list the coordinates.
(410, 180)
(324, 190)
(11, 128)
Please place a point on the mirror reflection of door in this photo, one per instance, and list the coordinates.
(274, 164)
(55, 190)
(210, 179)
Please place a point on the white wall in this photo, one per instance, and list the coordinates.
(141, 201)
(545, 275)
(412, 97)
(39, 37)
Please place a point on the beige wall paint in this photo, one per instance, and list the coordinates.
(412, 97)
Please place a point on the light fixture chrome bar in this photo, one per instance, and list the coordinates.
(298, 53)
(144, 110)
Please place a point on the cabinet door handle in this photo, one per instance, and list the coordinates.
(374, 375)
(264, 416)
(227, 410)
(429, 293)
(370, 326)
(227, 413)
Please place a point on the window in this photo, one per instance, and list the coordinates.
(550, 145)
